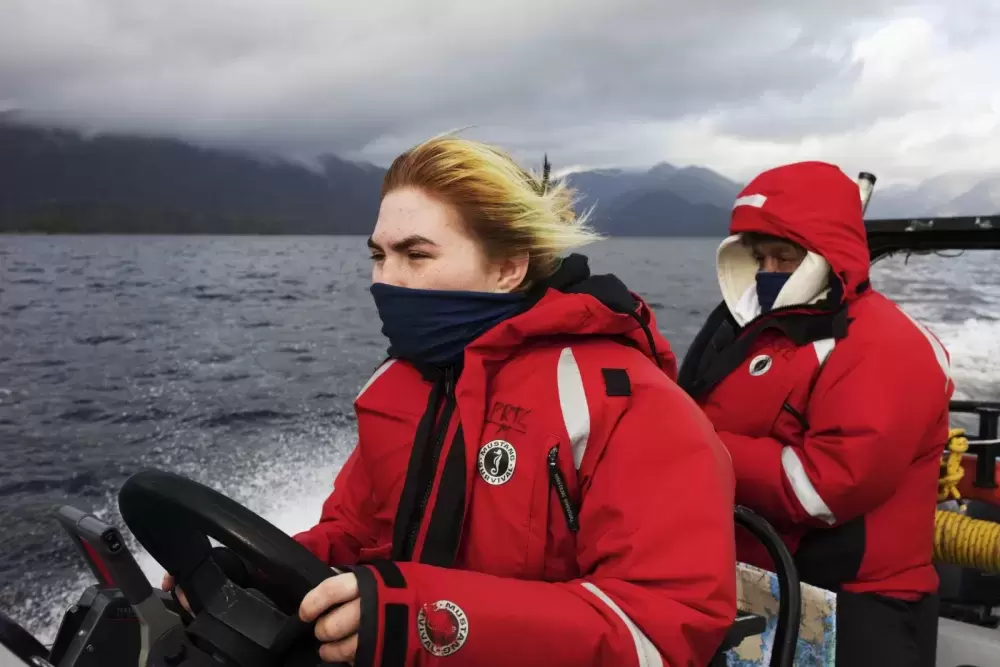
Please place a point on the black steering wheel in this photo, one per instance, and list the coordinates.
(173, 517)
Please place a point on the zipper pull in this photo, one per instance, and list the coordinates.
(559, 484)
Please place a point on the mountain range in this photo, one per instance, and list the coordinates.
(943, 195)
(57, 180)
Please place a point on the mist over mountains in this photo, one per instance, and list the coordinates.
(54, 180)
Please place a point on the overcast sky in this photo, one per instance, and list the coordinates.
(905, 89)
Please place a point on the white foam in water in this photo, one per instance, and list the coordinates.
(974, 347)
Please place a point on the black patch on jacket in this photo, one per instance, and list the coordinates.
(616, 382)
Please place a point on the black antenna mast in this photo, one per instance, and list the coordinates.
(546, 170)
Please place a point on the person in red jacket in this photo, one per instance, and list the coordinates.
(833, 404)
(530, 486)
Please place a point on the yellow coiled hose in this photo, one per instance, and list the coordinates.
(958, 539)
(967, 542)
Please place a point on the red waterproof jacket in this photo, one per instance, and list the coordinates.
(561, 502)
(834, 406)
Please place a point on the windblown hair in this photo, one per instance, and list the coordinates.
(509, 210)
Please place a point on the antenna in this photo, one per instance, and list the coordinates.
(866, 184)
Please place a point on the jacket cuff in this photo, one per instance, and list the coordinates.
(386, 616)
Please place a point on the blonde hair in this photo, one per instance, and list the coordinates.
(509, 210)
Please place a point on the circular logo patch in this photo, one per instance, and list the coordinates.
(443, 627)
(760, 365)
(496, 461)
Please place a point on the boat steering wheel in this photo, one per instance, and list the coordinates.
(173, 517)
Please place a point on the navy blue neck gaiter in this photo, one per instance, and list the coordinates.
(769, 284)
(435, 326)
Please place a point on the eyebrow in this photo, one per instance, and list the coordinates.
(404, 244)
(777, 249)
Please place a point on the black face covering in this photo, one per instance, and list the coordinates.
(435, 326)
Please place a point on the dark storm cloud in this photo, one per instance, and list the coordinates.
(368, 78)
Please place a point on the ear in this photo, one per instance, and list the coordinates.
(511, 273)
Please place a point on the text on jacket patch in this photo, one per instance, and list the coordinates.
(443, 627)
(497, 459)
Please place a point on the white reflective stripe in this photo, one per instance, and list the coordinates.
(823, 349)
(757, 201)
(645, 650)
(939, 352)
(376, 375)
(573, 401)
(803, 487)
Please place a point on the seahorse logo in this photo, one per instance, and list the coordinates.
(497, 459)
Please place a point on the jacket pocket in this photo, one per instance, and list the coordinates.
(539, 512)
(504, 532)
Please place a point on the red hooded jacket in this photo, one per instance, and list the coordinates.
(562, 502)
(834, 405)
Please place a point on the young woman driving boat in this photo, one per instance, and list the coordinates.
(528, 480)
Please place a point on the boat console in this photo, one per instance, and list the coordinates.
(114, 622)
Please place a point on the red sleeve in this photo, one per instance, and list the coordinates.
(342, 529)
(868, 413)
(656, 542)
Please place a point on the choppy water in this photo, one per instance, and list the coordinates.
(235, 360)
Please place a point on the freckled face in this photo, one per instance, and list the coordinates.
(422, 243)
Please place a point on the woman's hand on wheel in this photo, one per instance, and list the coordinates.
(337, 628)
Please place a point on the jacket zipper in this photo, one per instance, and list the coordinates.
(431, 465)
(558, 482)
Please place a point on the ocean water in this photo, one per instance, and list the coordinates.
(235, 360)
